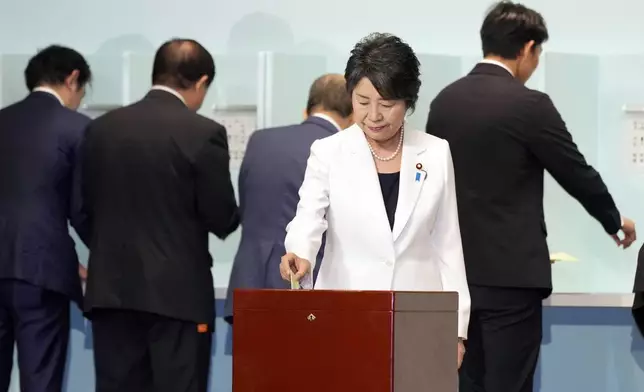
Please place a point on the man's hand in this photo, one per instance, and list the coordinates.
(292, 264)
(461, 352)
(628, 229)
(82, 272)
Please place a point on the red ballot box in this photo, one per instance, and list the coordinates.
(344, 341)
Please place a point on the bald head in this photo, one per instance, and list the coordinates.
(329, 94)
(185, 66)
(181, 63)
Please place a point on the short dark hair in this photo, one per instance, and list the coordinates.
(508, 27)
(180, 63)
(389, 63)
(330, 93)
(53, 65)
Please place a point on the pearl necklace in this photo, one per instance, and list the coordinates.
(392, 156)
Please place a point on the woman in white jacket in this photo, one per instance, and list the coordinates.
(383, 194)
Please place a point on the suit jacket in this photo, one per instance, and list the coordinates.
(638, 289)
(341, 194)
(156, 181)
(40, 193)
(503, 136)
(270, 176)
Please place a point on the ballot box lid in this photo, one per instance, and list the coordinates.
(354, 300)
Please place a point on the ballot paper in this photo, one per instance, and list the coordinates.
(561, 256)
(295, 285)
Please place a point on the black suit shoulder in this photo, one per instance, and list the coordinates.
(202, 126)
(191, 131)
(210, 132)
(493, 88)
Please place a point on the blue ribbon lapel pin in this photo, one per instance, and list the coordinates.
(419, 168)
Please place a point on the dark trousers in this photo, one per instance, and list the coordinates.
(638, 311)
(142, 352)
(37, 321)
(504, 340)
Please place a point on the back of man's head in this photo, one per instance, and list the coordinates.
(328, 95)
(185, 66)
(61, 69)
(508, 27)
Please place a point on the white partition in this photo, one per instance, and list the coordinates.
(288, 79)
(337, 63)
(109, 87)
(12, 78)
(621, 86)
(436, 72)
(139, 75)
(572, 83)
(468, 63)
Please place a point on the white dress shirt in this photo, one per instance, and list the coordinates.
(169, 90)
(49, 91)
(327, 118)
(500, 64)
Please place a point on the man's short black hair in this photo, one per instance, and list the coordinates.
(329, 92)
(180, 63)
(53, 65)
(389, 63)
(508, 27)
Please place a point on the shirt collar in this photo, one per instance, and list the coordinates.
(327, 118)
(170, 91)
(500, 64)
(50, 91)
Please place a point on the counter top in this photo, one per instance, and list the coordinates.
(584, 300)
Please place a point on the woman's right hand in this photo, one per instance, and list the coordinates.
(293, 265)
(461, 352)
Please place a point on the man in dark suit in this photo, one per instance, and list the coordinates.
(156, 181)
(39, 196)
(638, 289)
(270, 177)
(503, 136)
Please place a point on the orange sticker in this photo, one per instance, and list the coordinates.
(202, 328)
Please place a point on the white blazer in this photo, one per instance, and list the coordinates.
(341, 195)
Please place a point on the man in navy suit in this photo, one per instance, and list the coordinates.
(39, 196)
(270, 177)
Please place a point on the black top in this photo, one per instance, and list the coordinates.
(389, 184)
(509, 136)
(156, 181)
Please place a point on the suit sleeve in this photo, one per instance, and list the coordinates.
(304, 232)
(216, 204)
(446, 239)
(243, 173)
(554, 147)
(78, 217)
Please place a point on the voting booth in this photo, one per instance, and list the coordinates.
(344, 341)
